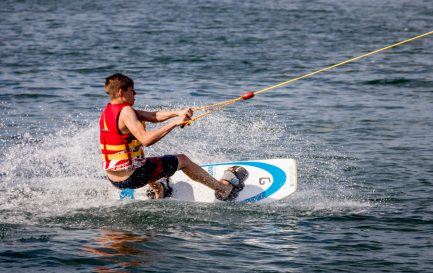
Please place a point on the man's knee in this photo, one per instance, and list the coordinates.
(183, 160)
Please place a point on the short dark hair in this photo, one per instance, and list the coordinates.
(115, 82)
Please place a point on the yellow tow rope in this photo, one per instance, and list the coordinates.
(218, 106)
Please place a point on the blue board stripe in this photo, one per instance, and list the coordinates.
(279, 177)
(127, 194)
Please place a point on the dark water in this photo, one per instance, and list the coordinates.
(362, 134)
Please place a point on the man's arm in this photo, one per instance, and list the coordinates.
(129, 123)
(160, 116)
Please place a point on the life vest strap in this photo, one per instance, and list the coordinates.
(121, 147)
(123, 156)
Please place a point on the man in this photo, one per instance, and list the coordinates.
(123, 137)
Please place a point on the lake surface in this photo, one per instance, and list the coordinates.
(362, 134)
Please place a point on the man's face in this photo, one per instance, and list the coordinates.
(129, 95)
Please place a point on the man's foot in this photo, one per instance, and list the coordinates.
(165, 183)
(159, 189)
(235, 176)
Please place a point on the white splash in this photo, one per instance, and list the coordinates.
(62, 173)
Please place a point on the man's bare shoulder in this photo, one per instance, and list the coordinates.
(128, 112)
(127, 119)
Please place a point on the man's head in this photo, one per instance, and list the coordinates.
(117, 82)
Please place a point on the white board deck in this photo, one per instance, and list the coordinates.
(268, 181)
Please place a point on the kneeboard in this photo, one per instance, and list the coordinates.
(268, 180)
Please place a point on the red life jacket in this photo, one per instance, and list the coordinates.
(119, 151)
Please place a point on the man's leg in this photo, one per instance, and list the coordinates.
(196, 173)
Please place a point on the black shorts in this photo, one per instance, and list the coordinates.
(153, 169)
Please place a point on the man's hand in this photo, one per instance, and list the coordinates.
(185, 112)
(184, 116)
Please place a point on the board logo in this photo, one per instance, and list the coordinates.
(264, 180)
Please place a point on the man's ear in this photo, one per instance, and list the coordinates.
(120, 93)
